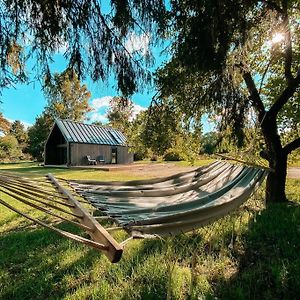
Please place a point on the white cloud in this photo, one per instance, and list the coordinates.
(101, 105)
(138, 43)
(137, 109)
(95, 117)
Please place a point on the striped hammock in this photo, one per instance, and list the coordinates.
(175, 204)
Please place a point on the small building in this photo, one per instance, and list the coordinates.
(69, 143)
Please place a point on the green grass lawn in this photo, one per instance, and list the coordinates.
(251, 254)
(33, 169)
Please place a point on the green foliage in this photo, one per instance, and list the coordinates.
(120, 113)
(67, 98)
(18, 131)
(185, 146)
(169, 133)
(209, 142)
(37, 135)
(173, 155)
(160, 129)
(135, 136)
(4, 124)
(9, 148)
(94, 38)
(198, 79)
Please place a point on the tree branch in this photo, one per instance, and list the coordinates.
(292, 146)
(265, 73)
(272, 5)
(254, 94)
(288, 51)
(285, 96)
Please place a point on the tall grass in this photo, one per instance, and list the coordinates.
(252, 253)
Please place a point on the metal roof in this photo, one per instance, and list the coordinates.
(76, 132)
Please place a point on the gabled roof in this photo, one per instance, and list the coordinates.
(76, 132)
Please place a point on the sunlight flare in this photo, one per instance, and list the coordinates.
(278, 37)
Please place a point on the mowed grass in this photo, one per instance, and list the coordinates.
(33, 169)
(251, 254)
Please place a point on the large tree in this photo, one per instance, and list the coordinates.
(37, 135)
(232, 57)
(4, 124)
(9, 148)
(120, 113)
(18, 131)
(67, 97)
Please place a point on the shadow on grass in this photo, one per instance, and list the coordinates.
(32, 264)
(17, 163)
(35, 170)
(269, 268)
(39, 264)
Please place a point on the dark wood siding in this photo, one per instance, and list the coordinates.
(124, 156)
(78, 153)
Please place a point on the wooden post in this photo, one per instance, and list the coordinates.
(99, 234)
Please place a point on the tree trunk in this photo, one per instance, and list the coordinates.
(277, 157)
(275, 185)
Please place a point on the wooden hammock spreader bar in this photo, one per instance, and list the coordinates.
(63, 233)
(245, 162)
(14, 190)
(49, 212)
(113, 249)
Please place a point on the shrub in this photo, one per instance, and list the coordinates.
(139, 156)
(154, 157)
(9, 148)
(173, 155)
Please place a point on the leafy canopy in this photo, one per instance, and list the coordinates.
(92, 39)
(37, 135)
(224, 52)
(4, 124)
(18, 131)
(120, 113)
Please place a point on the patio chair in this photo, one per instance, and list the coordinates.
(90, 160)
(101, 159)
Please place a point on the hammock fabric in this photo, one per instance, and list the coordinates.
(164, 206)
(174, 204)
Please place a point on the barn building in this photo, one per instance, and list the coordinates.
(70, 143)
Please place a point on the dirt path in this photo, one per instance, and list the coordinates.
(159, 170)
(163, 170)
(294, 172)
